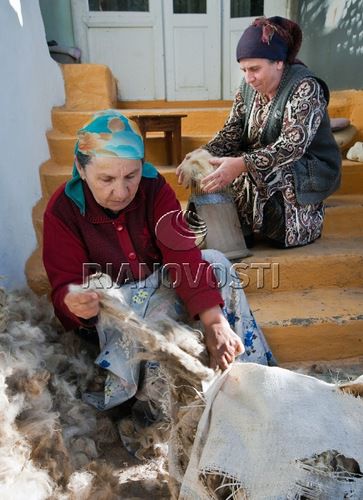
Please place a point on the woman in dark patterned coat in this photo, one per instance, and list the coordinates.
(276, 147)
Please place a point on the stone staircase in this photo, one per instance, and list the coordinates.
(309, 300)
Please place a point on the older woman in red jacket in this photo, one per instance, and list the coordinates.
(117, 215)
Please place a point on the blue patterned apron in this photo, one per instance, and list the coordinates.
(152, 300)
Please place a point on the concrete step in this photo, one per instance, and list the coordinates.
(199, 121)
(52, 175)
(155, 148)
(89, 87)
(68, 121)
(328, 262)
(344, 215)
(341, 200)
(37, 217)
(205, 117)
(61, 147)
(182, 194)
(207, 120)
(177, 105)
(36, 275)
(352, 178)
(352, 172)
(324, 323)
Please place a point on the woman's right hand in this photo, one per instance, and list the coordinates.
(84, 305)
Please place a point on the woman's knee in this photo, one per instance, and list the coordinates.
(215, 257)
(222, 268)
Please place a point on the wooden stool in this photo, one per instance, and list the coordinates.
(170, 125)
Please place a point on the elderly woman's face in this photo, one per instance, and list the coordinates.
(112, 181)
(262, 75)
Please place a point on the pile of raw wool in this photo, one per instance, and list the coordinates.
(48, 444)
(52, 444)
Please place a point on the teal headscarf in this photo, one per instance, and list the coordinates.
(108, 134)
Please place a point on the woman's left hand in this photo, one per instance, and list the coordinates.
(222, 343)
(227, 170)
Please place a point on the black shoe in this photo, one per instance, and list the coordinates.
(121, 411)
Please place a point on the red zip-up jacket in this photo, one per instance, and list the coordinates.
(122, 246)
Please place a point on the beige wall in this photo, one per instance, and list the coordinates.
(31, 83)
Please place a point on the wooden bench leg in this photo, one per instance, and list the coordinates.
(177, 143)
(169, 147)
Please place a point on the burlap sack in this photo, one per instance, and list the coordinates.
(269, 433)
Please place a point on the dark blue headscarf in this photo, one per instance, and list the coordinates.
(273, 38)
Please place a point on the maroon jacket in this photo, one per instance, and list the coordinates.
(119, 245)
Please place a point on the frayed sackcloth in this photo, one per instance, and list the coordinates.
(268, 433)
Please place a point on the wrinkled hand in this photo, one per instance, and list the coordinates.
(228, 170)
(222, 343)
(179, 170)
(85, 305)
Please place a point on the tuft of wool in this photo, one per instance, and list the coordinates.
(19, 476)
(355, 387)
(196, 166)
(105, 484)
(80, 485)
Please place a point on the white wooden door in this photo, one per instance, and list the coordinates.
(192, 31)
(168, 49)
(129, 41)
(237, 16)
